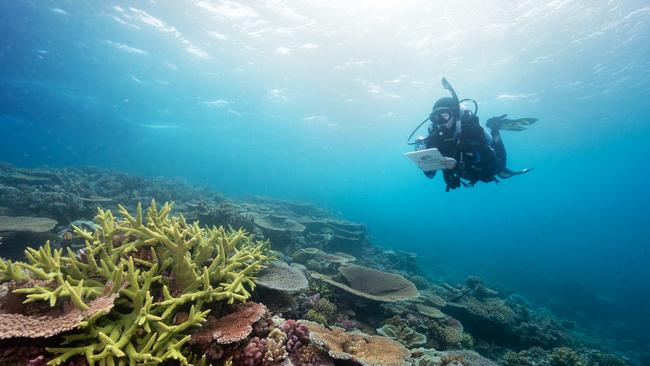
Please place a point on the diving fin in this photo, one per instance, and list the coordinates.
(519, 124)
(507, 173)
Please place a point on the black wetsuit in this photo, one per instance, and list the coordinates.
(477, 159)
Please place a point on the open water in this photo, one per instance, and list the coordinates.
(314, 101)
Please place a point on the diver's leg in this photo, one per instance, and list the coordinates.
(499, 151)
(498, 146)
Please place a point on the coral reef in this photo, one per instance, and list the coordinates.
(26, 223)
(322, 311)
(403, 334)
(598, 358)
(432, 357)
(150, 288)
(288, 340)
(530, 357)
(305, 254)
(231, 328)
(429, 311)
(372, 284)
(297, 334)
(504, 320)
(358, 347)
(224, 214)
(262, 352)
(158, 264)
(311, 355)
(562, 356)
(425, 357)
(281, 277)
(14, 325)
(565, 356)
(22, 355)
(468, 358)
(447, 331)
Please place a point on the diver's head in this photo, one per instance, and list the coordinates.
(445, 112)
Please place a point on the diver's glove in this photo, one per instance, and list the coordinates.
(469, 118)
(452, 179)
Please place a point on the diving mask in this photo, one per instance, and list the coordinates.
(441, 115)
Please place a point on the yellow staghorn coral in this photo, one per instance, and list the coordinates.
(156, 265)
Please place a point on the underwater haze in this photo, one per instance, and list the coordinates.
(314, 101)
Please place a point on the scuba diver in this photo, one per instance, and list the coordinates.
(476, 155)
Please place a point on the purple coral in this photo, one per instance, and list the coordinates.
(253, 353)
(297, 335)
(23, 355)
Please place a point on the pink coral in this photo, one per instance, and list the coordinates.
(261, 352)
(252, 354)
(297, 335)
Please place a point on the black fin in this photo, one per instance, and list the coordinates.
(507, 173)
(519, 124)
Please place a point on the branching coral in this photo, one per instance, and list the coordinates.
(605, 359)
(565, 356)
(323, 311)
(262, 352)
(159, 265)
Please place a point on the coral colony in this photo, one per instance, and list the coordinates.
(260, 282)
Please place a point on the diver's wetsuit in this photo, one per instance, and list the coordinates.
(479, 159)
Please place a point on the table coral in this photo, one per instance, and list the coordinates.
(373, 284)
(281, 277)
(19, 325)
(358, 347)
(231, 328)
(159, 265)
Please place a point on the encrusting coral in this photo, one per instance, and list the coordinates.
(157, 265)
(358, 347)
(403, 334)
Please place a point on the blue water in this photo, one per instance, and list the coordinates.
(314, 101)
